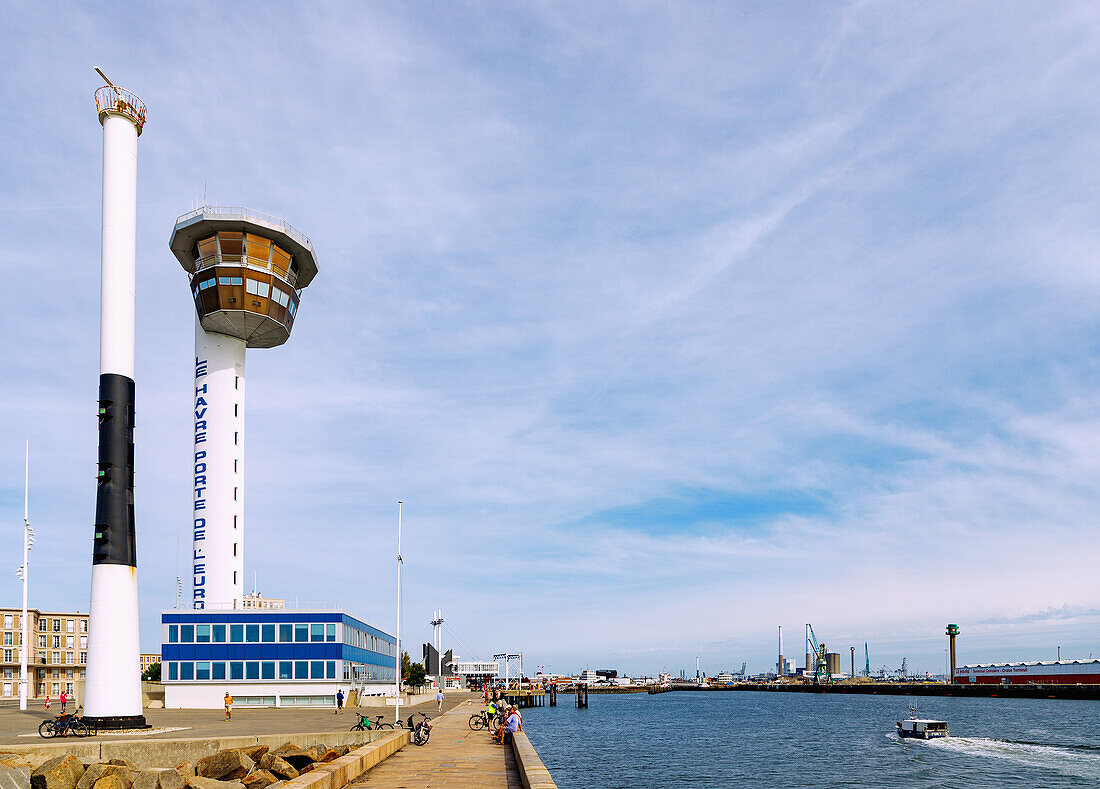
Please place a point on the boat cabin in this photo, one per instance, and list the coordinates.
(922, 729)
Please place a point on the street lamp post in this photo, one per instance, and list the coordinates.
(397, 697)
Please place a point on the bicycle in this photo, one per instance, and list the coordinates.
(365, 724)
(62, 725)
(420, 731)
(479, 720)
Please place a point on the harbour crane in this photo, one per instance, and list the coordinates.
(821, 672)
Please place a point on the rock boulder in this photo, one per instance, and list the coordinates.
(61, 772)
(224, 765)
(199, 782)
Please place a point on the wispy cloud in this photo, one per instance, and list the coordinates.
(669, 324)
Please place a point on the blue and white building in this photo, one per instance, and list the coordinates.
(273, 658)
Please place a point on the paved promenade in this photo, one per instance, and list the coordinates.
(211, 723)
(455, 757)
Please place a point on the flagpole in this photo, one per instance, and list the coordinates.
(24, 630)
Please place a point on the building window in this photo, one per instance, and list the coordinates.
(173, 671)
(236, 633)
(317, 669)
(69, 642)
(219, 634)
(252, 633)
(7, 656)
(236, 670)
(83, 625)
(252, 670)
(8, 620)
(57, 625)
(301, 633)
(286, 670)
(68, 657)
(42, 657)
(316, 632)
(83, 642)
(8, 638)
(187, 671)
(56, 657)
(301, 669)
(42, 624)
(202, 670)
(70, 626)
(268, 633)
(218, 670)
(267, 669)
(286, 634)
(57, 642)
(83, 658)
(187, 634)
(41, 642)
(202, 634)
(173, 634)
(330, 632)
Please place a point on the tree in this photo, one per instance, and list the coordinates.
(151, 674)
(413, 674)
(417, 674)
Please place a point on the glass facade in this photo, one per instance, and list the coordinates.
(273, 646)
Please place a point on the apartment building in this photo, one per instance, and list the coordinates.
(57, 657)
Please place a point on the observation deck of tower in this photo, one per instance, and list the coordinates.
(246, 270)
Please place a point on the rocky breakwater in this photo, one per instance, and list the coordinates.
(258, 767)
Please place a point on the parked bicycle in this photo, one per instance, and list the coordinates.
(483, 720)
(420, 731)
(62, 725)
(479, 720)
(366, 724)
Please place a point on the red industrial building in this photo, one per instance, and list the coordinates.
(1054, 672)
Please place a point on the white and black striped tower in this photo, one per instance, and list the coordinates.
(112, 689)
(246, 270)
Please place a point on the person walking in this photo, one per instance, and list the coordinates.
(64, 700)
(439, 700)
(339, 701)
(47, 702)
(228, 706)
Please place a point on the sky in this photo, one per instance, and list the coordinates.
(670, 323)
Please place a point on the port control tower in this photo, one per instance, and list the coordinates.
(246, 270)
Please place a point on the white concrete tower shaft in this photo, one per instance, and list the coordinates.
(246, 271)
(112, 691)
(217, 570)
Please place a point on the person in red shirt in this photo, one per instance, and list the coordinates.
(64, 700)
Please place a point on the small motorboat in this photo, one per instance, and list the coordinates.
(921, 728)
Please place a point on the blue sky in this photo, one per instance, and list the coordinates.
(669, 322)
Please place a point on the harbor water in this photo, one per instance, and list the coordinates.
(723, 739)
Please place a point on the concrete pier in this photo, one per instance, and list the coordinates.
(459, 757)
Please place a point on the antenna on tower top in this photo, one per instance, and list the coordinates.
(100, 73)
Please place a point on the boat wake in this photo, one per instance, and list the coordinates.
(1077, 760)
